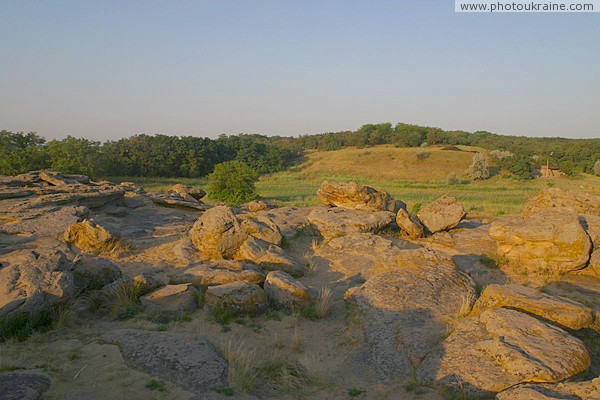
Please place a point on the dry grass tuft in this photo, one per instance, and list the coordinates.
(286, 376)
(322, 302)
(467, 304)
(242, 370)
(296, 341)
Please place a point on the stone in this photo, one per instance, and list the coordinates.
(58, 179)
(334, 222)
(94, 273)
(146, 283)
(542, 247)
(206, 275)
(218, 234)
(240, 296)
(268, 256)
(409, 224)
(262, 228)
(442, 214)
(285, 291)
(583, 390)
(191, 363)
(34, 281)
(171, 298)
(565, 312)
(407, 309)
(577, 202)
(501, 348)
(182, 190)
(23, 386)
(354, 196)
(91, 237)
(256, 206)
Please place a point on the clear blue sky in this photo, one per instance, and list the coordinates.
(109, 69)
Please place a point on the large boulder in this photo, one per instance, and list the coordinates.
(33, 281)
(583, 390)
(218, 233)
(410, 225)
(188, 192)
(171, 298)
(261, 227)
(94, 272)
(543, 246)
(58, 179)
(191, 363)
(354, 196)
(565, 312)
(335, 222)
(501, 348)
(442, 214)
(285, 291)
(208, 275)
(91, 237)
(240, 296)
(268, 256)
(23, 386)
(407, 309)
(577, 202)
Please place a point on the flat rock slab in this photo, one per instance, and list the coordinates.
(586, 390)
(190, 363)
(23, 386)
(338, 221)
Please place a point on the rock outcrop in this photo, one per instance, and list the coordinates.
(93, 238)
(409, 224)
(188, 192)
(240, 296)
(577, 202)
(171, 298)
(354, 196)
(23, 386)
(285, 291)
(335, 222)
(442, 214)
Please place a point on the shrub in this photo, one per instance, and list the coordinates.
(422, 155)
(453, 179)
(519, 165)
(233, 183)
(568, 168)
(479, 169)
(597, 168)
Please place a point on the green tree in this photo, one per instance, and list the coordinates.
(568, 168)
(519, 165)
(479, 169)
(233, 183)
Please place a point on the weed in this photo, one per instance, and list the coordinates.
(227, 391)
(353, 392)
(285, 376)
(322, 302)
(22, 326)
(242, 371)
(222, 314)
(159, 386)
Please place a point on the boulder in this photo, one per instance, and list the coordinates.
(409, 224)
(23, 386)
(501, 348)
(442, 214)
(565, 312)
(171, 298)
(207, 275)
(584, 390)
(240, 296)
(285, 291)
(407, 309)
(218, 233)
(354, 196)
(262, 228)
(591, 224)
(542, 247)
(577, 202)
(58, 179)
(256, 206)
(94, 273)
(146, 283)
(33, 281)
(190, 362)
(91, 237)
(335, 222)
(174, 200)
(268, 256)
(187, 190)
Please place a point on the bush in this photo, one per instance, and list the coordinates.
(479, 169)
(518, 165)
(233, 183)
(568, 168)
(423, 155)
(597, 168)
(453, 179)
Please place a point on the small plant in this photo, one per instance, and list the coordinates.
(242, 371)
(466, 305)
(453, 179)
(153, 384)
(222, 314)
(353, 392)
(322, 302)
(422, 154)
(296, 342)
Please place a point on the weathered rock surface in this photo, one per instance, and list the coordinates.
(94, 273)
(262, 228)
(501, 348)
(191, 363)
(218, 233)
(565, 312)
(32, 281)
(442, 214)
(577, 202)
(241, 296)
(354, 196)
(285, 291)
(409, 224)
(187, 190)
(334, 222)
(586, 390)
(23, 386)
(58, 179)
(407, 309)
(289, 220)
(90, 237)
(268, 256)
(207, 275)
(171, 298)
(543, 246)
(256, 206)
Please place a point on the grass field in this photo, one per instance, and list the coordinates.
(402, 174)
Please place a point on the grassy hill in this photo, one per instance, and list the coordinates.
(402, 174)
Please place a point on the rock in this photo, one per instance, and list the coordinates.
(92, 238)
(358, 254)
(241, 296)
(33, 281)
(206, 275)
(591, 224)
(182, 190)
(177, 201)
(285, 291)
(262, 228)
(586, 390)
(409, 224)
(268, 256)
(171, 298)
(58, 179)
(289, 220)
(23, 386)
(542, 247)
(565, 312)
(218, 234)
(441, 214)
(335, 222)
(577, 202)
(94, 273)
(146, 283)
(407, 309)
(192, 363)
(501, 348)
(256, 206)
(354, 196)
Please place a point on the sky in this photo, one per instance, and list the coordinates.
(110, 69)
